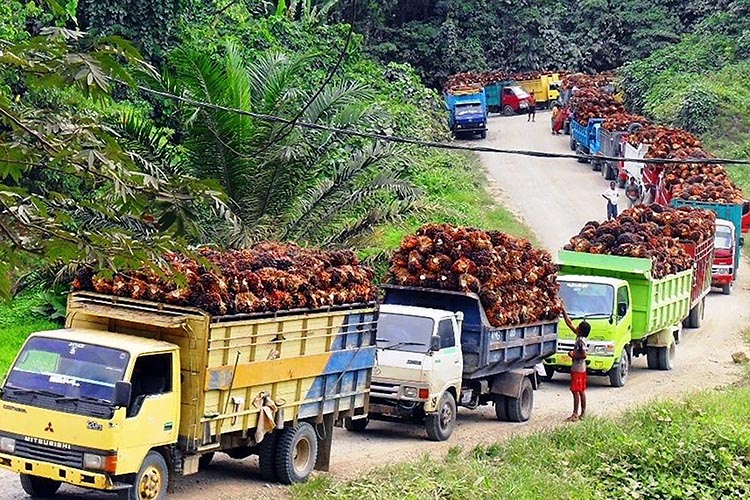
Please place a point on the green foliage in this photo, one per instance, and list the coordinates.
(17, 322)
(694, 449)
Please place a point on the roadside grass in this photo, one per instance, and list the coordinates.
(17, 321)
(455, 191)
(698, 448)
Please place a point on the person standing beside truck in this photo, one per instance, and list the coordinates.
(611, 195)
(578, 376)
(532, 108)
(633, 192)
(555, 116)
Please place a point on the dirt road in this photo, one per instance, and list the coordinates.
(555, 197)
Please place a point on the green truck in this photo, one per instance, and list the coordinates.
(631, 313)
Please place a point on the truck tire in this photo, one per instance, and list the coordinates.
(519, 409)
(358, 425)
(267, 456)
(205, 460)
(652, 358)
(618, 374)
(549, 373)
(150, 482)
(296, 453)
(501, 407)
(596, 165)
(696, 315)
(609, 173)
(573, 144)
(726, 289)
(581, 151)
(666, 356)
(440, 425)
(508, 110)
(483, 135)
(551, 104)
(39, 487)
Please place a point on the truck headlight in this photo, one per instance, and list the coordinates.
(459, 126)
(410, 392)
(481, 124)
(607, 349)
(106, 463)
(7, 445)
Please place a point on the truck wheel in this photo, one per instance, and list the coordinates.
(205, 460)
(549, 372)
(297, 453)
(666, 356)
(508, 110)
(440, 425)
(267, 456)
(501, 407)
(596, 166)
(356, 425)
(581, 151)
(39, 487)
(519, 409)
(151, 481)
(726, 289)
(483, 135)
(618, 374)
(610, 174)
(652, 358)
(573, 144)
(695, 316)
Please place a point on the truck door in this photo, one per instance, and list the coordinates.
(624, 317)
(152, 418)
(448, 360)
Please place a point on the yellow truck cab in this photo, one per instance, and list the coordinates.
(132, 394)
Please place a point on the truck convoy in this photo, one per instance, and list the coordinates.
(506, 97)
(133, 393)
(467, 111)
(437, 350)
(631, 313)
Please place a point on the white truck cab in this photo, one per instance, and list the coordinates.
(418, 368)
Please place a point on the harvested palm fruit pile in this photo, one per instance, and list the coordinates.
(581, 80)
(515, 282)
(265, 278)
(689, 181)
(648, 232)
(621, 121)
(488, 77)
(594, 103)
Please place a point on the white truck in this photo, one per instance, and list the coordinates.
(437, 351)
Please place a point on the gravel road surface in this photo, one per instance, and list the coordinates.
(555, 197)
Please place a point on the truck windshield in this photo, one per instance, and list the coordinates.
(723, 238)
(587, 299)
(404, 333)
(468, 109)
(57, 368)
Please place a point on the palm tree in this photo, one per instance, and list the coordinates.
(288, 183)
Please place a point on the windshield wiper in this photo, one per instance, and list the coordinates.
(76, 399)
(400, 344)
(36, 392)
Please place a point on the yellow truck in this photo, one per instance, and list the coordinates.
(546, 89)
(132, 394)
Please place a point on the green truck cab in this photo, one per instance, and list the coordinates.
(631, 313)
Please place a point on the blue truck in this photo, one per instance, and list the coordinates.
(584, 137)
(467, 111)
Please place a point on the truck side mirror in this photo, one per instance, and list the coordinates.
(435, 343)
(123, 391)
(622, 309)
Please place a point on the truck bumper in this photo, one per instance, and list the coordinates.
(721, 279)
(595, 364)
(69, 475)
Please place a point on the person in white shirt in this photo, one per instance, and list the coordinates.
(611, 195)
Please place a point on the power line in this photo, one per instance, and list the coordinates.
(431, 144)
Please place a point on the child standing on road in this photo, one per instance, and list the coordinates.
(578, 369)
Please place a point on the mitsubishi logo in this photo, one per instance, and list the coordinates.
(49, 428)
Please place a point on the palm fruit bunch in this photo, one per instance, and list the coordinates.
(268, 277)
(594, 103)
(650, 232)
(515, 282)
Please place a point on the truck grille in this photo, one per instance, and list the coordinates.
(384, 389)
(565, 346)
(33, 451)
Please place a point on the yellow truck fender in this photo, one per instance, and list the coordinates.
(431, 405)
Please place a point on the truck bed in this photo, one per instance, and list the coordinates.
(487, 350)
(704, 257)
(312, 362)
(657, 303)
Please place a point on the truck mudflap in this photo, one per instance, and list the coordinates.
(510, 383)
(65, 474)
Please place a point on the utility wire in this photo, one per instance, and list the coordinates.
(430, 144)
